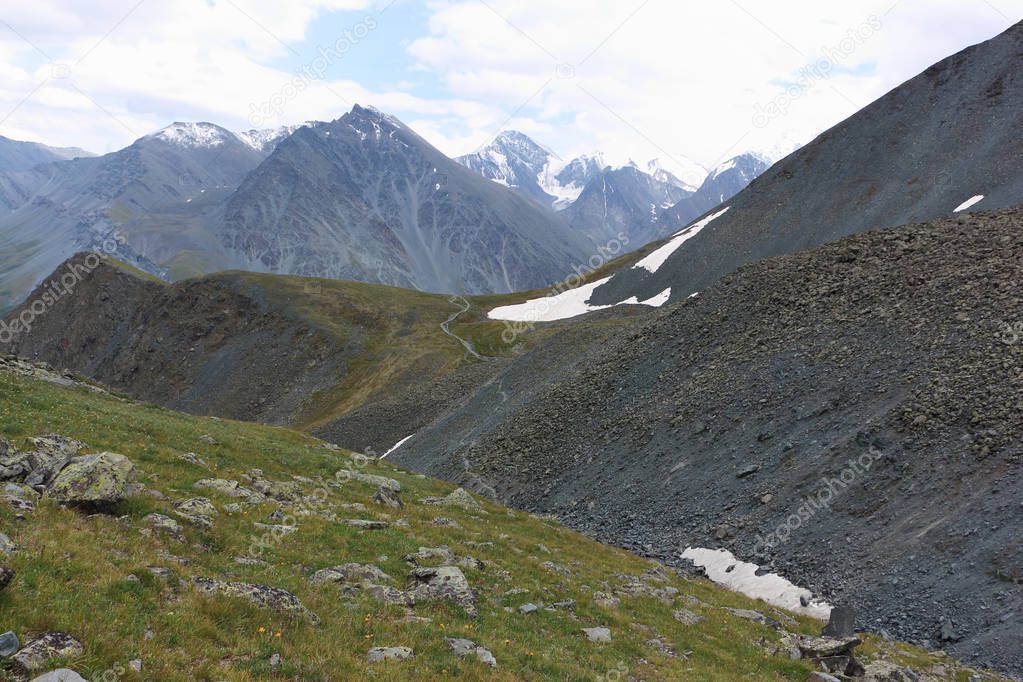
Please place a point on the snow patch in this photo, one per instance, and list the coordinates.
(739, 576)
(567, 304)
(656, 259)
(396, 446)
(969, 203)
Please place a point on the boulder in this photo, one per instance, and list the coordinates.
(60, 675)
(7, 547)
(466, 647)
(6, 576)
(388, 594)
(19, 497)
(366, 524)
(198, 511)
(344, 475)
(273, 598)
(41, 651)
(825, 647)
(164, 524)
(822, 677)
(442, 553)
(841, 623)
(687, 617)
(599, 635)
(458, 498)
(99, 479)
(390, 653)
(9, 643)
(882, 671)
(388, 497)
(443, 583)
(349, 573)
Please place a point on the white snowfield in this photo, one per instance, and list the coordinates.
(567, 304)
(969, 203)
(396, 446)
(742, 578)
(656, 259)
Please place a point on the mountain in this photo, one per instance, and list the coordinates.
(146, 204)
(830, 414)
(514, 160)
(723, 183)
(678, 170)
(929, 147)
(22, 156)
(267, 139)
(366, 198)
(625, 201)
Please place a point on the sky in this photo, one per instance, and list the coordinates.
(636, 79)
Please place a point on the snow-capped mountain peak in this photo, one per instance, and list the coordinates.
(194, 135)
(267, 139)
(679, 170)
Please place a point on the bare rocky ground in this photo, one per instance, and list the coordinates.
(888, 358)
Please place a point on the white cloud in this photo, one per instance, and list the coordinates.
(637, 79)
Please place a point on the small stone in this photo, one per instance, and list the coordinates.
(9, 643)
(6, 575)
(465, 647)
(208, 440)
(163, 523)
(135, 664)
(349, 573)
(273, 598)
(393, 653)
(367, 524)
(275, 660)
(599, 635)
(526, 609)
(822, 677)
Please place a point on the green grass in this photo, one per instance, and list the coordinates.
(71, 572)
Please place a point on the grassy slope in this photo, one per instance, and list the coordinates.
(71, 571)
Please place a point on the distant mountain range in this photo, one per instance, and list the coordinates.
(362, 198)
(604, 200)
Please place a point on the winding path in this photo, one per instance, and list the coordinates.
(459, 300)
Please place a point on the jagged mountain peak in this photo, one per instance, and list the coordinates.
(266, 139)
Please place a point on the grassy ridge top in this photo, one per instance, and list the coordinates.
(72, 571)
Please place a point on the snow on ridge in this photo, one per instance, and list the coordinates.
(739, 576)
(654, 260)
(262, 139)
(199, 135)
(566, 304)
(969, 203)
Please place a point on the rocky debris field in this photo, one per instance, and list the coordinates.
(226, 551)
(849, 417)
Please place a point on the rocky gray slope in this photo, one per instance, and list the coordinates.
(882, 362)
(917, 153)
(365, 198)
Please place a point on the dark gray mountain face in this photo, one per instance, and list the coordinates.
(714, 422)
(917, 153)
(722, 184)
(22, 156)
(365, 198)
(146, 204)
(624, 201)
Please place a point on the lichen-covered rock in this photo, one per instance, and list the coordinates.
(443, 583)
(881, 671)
(687, 617)
(458, 498)
(388, 497)
(19, 497)
(99, 479)
(164, 524)
(198, 511)
(465, 647)
(344, 475)
(349, 573)
(367, 524)
(443, 554)
(273, 598)
(61, 675)
(599, 635)
(390, 653)
(50, 646)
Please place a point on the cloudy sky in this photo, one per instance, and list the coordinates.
(635, 78)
